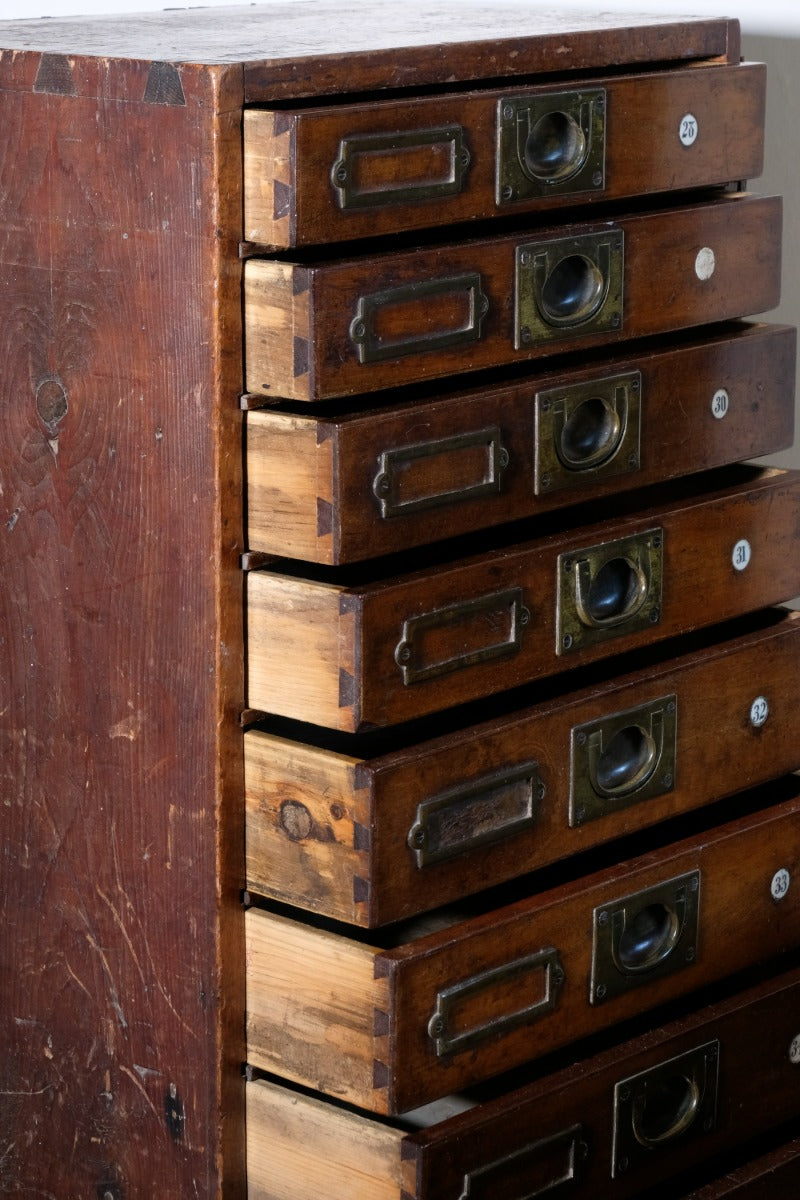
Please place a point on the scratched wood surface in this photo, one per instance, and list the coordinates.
(121, 942)
(312, 47)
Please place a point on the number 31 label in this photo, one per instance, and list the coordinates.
(688, 129)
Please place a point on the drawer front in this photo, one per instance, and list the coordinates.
(360, 325)
(395, 650)
(576, 1129)
(361, 170)
(373, 841)
(338, 490)
(492, 992)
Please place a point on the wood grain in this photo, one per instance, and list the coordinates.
(121, 650)
(700, 526)
(740, 924)
(663, 291)
(289, 156)
(311, 481)
(330, 833)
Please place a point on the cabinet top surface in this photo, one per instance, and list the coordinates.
(319, 43)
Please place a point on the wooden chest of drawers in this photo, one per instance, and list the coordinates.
(391, 697)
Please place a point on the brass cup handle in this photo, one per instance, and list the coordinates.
(589, 435)
(628, 760)
(643, 939)
(612, 594)
(665, 1110)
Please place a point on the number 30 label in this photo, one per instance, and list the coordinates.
(688, 129)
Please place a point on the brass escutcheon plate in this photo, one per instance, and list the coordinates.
(587, 431)
(551, 144)
(622, 759)
(666, 1105)
(609, 589)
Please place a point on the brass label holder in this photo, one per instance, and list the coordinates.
(534, 982)
(461, 635)
(476, 814)
(538, 1169)
(395, 465)
(425, 164)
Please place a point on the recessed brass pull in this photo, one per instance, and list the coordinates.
(668, 1103)
(587, 431)
(568, 286)
(622, 759)
(375, 170)
(537, 1169)
(551, 144)
(609, 589)
(518, 992)
(645, 936)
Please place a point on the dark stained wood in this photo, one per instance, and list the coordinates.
(290, 199)
(776, 1173)
(312, 481)
(331, 833)
(121, 953)
(439, 1145)
(740, 924)
(299, 47)
(300, 319)
(335, 648)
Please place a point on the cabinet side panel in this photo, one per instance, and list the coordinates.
(119, 609)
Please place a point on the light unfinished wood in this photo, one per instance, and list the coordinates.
(291, 475)
(300, 655)
(307, 827)
(313, 1007)
(312, 1024)
(299, 1147)
(333, 834)
(279, 346)
(347, 675)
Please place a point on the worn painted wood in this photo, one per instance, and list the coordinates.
(121, 952)
(291, 198)
(314, 483)
(740, 924)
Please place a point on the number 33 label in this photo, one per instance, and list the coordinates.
(688, 129)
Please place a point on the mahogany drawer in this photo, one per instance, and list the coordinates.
(690, 1082)
(336, 327)
(335, 489)
(396, 1023)
(384, 651)
(373, 838)
(342, 171)
(774, 1173)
